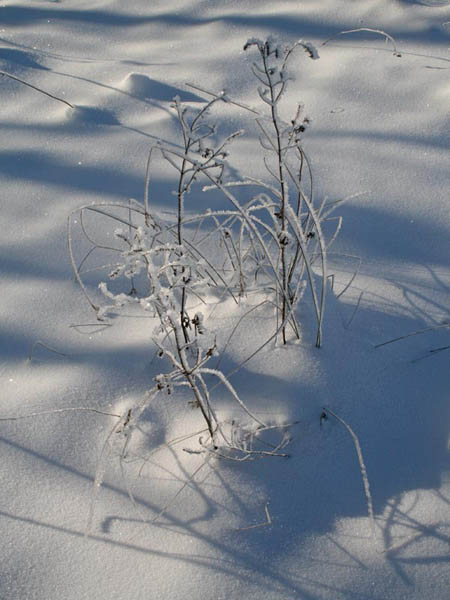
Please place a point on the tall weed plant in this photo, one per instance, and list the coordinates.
(273, 242)
(270, 242)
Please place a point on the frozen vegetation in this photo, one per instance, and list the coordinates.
(225, 299)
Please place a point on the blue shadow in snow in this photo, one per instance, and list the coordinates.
(49, 170)
(20, 58)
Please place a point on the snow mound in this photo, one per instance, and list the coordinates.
(142, 86)
(137, 84)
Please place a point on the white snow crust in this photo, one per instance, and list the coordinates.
(380, 130)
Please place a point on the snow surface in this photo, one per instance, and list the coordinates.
(380, 128)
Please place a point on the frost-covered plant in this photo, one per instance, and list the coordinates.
(283, 223)
(181, 336)
(270, 241)
(294, 223)
(169, 271)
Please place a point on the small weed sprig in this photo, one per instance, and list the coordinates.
(283, 223)
(169, 271)
(285, 139)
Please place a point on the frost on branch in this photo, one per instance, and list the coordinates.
(269, 242)
(310, 49)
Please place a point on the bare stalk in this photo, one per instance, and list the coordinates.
(362, 465)
(5, 74)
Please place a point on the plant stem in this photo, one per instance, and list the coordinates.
(274, 115)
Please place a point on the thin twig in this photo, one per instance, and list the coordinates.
(431, 353)
(362, 466)
(39, 343)
(349, 322)
(403, 337)
(378, 31)
(5, 74)
(266, 523)
(58, 410)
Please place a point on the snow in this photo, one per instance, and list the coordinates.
(380, 131)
